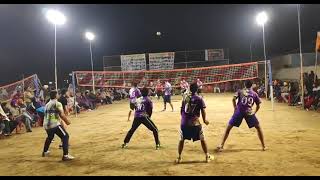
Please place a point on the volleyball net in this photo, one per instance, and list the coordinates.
(8, 91)
(208, 75)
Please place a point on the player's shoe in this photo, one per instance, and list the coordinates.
(219, 148)
(158, 147)
(124, 146)
(67, 157)
(45, 154)
(209, 158)
(178, 160)
(264, 148)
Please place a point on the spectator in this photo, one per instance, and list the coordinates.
(152, 89)
(216, 88)
(91, 98)
(293, 91)
(83, 101)
(312, 77)
(109, 97)
(124, 93)
(4, 121)
(64, 101)
(307, 83)
(285, 92)
(28, 95)
(159, 89)
(43, 95)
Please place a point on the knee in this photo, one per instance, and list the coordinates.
(257, 127)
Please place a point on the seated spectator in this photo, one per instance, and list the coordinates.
(125, 93)
(111, 94)
(93, 99)
(109, 98)
(83, 101)
(296, 100)
(277, 89)
(312, 100)
(28, 95)
(4, 121)
(26, 116)
(285, 92)
(38, 105)
(216, 88)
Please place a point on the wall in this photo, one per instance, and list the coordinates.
(292, 73)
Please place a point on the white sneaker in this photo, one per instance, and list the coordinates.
(209, 158)
(45, 154)
(67, 157)
(124, 146)
(178, 160)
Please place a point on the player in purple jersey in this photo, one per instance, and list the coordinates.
(243, 110)
(143, 112)
(167, 95)
(191, 128)
(134, 93)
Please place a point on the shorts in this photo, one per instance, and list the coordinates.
(191, 132)
(237, 118)
(132, 106)
(167, 98)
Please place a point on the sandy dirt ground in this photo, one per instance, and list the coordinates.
(291, 134)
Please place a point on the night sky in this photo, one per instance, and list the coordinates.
(27, 38)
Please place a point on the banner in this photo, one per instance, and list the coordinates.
(214, 54)
(161, 61)
(133, 62)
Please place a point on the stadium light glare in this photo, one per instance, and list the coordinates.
(55, 17)
(90, 36)
(262, 18)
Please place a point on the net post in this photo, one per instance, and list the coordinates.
(271, 85)
(74, 93)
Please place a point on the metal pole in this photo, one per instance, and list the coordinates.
(23, 87)
(93, 88)
(265, 64)
(271, 85)
(251, 51)
(185, 57)
(315, 67)
(301, 61)
(74, 94)
(55, 57)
